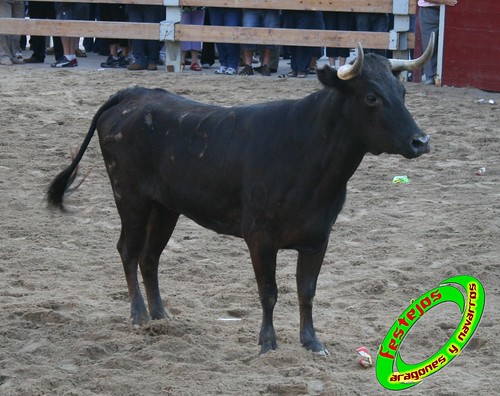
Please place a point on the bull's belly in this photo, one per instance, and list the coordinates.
(226, 225)
(298, 232)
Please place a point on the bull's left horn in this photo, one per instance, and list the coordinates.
(402, 64)
(348, 72)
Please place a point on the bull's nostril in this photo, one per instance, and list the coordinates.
(421, 141)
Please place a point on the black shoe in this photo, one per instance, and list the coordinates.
(122, 62)
(247, 71)
(109, 62)
(33, 59)
(265, 71)
(113, 63)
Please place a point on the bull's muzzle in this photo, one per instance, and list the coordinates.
(421, 144)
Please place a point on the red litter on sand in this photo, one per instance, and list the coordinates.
(365, 359)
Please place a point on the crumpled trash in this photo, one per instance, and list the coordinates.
(401, 179)
(481, 171)
(490, 101)
(365, 359)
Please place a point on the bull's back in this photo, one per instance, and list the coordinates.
(175, 151)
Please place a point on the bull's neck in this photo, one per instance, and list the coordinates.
(333, 141)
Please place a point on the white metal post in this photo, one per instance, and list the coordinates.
(439, 71)
(398, 36)
(167, 35)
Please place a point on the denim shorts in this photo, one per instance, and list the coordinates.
(260, 18)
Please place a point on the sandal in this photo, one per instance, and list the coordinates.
(292, 73)
(196, 67)
(80, 54)
(301, 75)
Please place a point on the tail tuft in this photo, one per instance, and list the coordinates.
(59, 186)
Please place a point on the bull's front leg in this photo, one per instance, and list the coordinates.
(308, 267)
(263, 256)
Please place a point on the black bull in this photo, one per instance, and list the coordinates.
(274, 174)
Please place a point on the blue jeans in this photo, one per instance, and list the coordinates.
(300, 56)
(146, 51)
(229, 54)
(260, 18)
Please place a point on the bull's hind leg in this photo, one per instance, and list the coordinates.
(146, 230)
(308, 267)
(263, 257)
(160, 227)
(130, 245)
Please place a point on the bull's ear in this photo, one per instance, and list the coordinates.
(327, 76)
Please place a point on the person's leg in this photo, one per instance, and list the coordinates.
(37, 10)
(185, 45)
(290, 22)
(251, 18)
(58, 47)
(69, 58)
(217, 19)
(346, 22)
(305, 20)
(153, 14)
(135, 14)
(5, 55)
(362, 22)
(232, 17)
(429, 22)
(197, 18)
(69, 44)
(380, 23)
(15, 39)
(208, 49)
(193, 17)
(271, 19)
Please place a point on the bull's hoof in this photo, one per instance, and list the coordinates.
(139, 320)
(268, 346)
(162, 313)
(316, 347)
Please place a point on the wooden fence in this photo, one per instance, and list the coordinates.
(398, 39)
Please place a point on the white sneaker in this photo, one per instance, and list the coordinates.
(230, 71)
(18, 59)
(221, 70)
(6, 60)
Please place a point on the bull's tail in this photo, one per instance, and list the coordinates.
(61, 183)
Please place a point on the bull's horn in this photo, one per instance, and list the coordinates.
(401, 64)
(348, 72)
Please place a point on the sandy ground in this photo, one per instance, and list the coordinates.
(64, 308)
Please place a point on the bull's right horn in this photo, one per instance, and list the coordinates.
(402, 64)
(348, 72)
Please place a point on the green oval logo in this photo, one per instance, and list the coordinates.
(392, 372)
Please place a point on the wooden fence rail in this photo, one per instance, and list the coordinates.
(398, 39)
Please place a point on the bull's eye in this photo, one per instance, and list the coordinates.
(371, 99)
